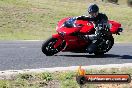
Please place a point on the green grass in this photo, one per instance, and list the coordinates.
(58, 79)
(37, 19)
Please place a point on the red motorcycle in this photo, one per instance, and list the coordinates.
(67, 40)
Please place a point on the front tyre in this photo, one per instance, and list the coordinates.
(48, 47)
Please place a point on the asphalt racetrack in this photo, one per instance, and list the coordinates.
(17, 55)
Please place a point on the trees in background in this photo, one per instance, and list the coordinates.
(129, 2)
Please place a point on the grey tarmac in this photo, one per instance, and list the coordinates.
(18, 55)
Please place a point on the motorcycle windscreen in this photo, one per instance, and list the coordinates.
(60, 23)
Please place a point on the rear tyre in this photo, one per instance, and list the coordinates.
(104, 46)
(48, 47)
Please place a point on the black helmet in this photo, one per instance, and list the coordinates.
(93, 8)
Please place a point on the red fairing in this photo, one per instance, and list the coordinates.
(56, 36)
(86, 28)
(114, 26)
(72, 42)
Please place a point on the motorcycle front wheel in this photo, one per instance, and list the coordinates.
(48, 47)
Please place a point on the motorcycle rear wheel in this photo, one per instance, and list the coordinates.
(107, 46)
(48, 47)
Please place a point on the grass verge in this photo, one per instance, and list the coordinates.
(64, 79)
(37, 19)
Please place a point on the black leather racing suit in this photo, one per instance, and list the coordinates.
(101, 28)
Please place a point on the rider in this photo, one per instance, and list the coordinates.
(100, 24)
